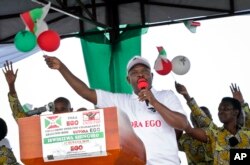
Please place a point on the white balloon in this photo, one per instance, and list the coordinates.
(180, 65)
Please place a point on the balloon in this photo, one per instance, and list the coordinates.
(49, 40)
(162, 65)
(181, 65)
(25, 41)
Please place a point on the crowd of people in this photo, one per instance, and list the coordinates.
(206, 143)
(203, 142)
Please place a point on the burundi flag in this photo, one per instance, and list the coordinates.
(53, 122)
(33, 18)
(191, 25)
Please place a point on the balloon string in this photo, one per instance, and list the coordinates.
(42, 51)
(173, 76)
(44, 54)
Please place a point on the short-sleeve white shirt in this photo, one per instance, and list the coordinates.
(158, 137)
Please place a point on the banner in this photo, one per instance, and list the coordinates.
(73, 135)
(106, 62)
(10, 53)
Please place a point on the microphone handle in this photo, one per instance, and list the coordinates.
(147, 102)
(36, 111)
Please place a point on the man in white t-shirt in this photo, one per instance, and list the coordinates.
(154, 115)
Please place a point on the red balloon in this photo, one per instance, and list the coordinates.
(49, 40)
(167, 67)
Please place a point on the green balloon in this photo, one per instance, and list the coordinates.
(25, 41)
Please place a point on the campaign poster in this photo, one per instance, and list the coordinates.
(73, 135)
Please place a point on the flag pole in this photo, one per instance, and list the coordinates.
(74, 16)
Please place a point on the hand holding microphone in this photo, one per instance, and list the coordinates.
(143, 84)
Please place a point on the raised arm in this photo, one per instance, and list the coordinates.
(236, 92)
(79, 86)
(181, 89)
(201, 118)
(10, 75)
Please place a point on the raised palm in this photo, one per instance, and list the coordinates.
(9, 73)
(237, 93)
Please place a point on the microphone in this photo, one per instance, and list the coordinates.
(37, 111)
(142, 84)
